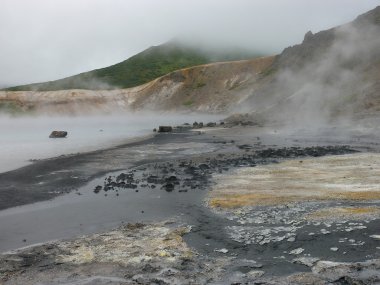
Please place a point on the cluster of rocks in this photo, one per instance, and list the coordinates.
(186, 175)
(251, 119)
(182, 176)
(200, 125)
(186, 127)
(266, 225)
(277, 223)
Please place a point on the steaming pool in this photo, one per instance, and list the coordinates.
(27, 138)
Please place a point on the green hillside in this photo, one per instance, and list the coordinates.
(139, 69)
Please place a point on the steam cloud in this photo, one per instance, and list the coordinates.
(331, 76)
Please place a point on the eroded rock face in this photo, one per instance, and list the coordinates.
(58, 134)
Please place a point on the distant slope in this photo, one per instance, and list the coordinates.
(332, 74)
(153, 62)
(210, 88)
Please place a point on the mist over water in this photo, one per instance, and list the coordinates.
(27, 138)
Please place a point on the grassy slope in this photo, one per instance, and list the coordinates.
(139, 69)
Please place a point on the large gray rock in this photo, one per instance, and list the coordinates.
(58, 134)
(165, 129)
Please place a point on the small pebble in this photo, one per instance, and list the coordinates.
(222, 250)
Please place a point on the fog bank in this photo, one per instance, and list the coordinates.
(27, 138)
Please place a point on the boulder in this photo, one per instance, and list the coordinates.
(197, 125)
(58, 134)
(169, 187)
(165, 129)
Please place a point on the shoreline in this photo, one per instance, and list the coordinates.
(189, 162)
(126, 142)
(39, 166)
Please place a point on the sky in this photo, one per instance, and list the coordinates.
(43, 40)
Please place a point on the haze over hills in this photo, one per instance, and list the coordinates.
(331, 74)
(141, 68)
(210, 88)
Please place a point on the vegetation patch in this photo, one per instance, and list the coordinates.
(141, 68)
(269, 71)
(188, 103)
(11, 108)
(200, 84)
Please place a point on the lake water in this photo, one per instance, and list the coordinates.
(27, 138)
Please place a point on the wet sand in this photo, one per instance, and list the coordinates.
(82, 211)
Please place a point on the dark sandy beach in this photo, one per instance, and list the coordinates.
(166, 179)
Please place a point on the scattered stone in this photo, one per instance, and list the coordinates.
(307, 261)
(255, 273)
(98, 189)
(222, 250)
(297, 251)
(325, 232)
(165, 129)
(153, 179)
(169, 187)
(334, 249)
(171, 179)
(211, 124)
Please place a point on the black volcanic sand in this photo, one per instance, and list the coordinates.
(158, 178)
(49, 178)
(191, 176)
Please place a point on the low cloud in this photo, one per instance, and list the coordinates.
(47, 40)
(332, 76)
